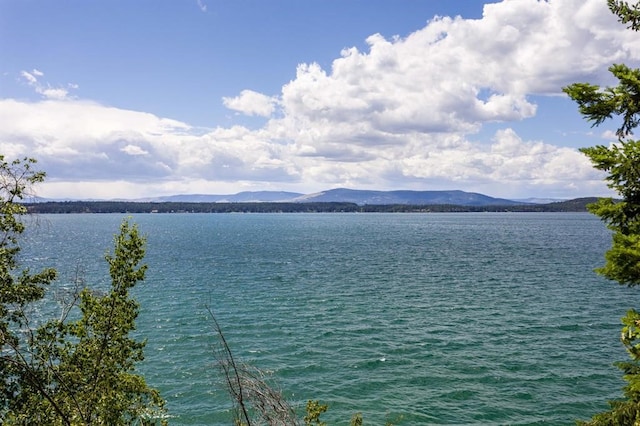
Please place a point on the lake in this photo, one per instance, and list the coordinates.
(473, 318)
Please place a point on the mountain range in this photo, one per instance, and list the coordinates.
(360, 197)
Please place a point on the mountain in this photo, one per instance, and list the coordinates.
(240, 197)
(540, 200)
(339, 195)
(343, 195)
(362, 197)
(576, 204)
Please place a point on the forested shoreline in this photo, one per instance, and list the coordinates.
(65, 207)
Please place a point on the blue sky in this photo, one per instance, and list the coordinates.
(126, 99)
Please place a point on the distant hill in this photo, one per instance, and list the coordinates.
(577, 204)
(534, 200)
(343, 195)
(240, 197)
(340, 199)
(361, 197)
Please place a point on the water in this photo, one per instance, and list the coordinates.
(410, 318)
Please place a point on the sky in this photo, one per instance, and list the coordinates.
(129, 99)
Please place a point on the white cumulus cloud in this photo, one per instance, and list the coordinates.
(407, 112)
(251, 103)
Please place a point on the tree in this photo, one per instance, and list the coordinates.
(17, 291)
(68, 371)
(627, 14)
(621, 162)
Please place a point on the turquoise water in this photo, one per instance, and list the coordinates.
(411, 318)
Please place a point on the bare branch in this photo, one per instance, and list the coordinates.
(249, 389)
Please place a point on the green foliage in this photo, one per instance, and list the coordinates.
(598, 105)
(625, 412)
(314, 410)
(82, 371)
(627, 14)
(622, 413)
(17, 290)
(621, 162)
(66, 372)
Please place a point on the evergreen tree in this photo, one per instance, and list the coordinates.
(621, 162)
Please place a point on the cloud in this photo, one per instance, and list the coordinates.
(32, 78)
(133, 150)
(609, 135)
(405, 113)
(202, 5)
(84, 141)
(456, 74)
(251, 103)
(78, 141)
